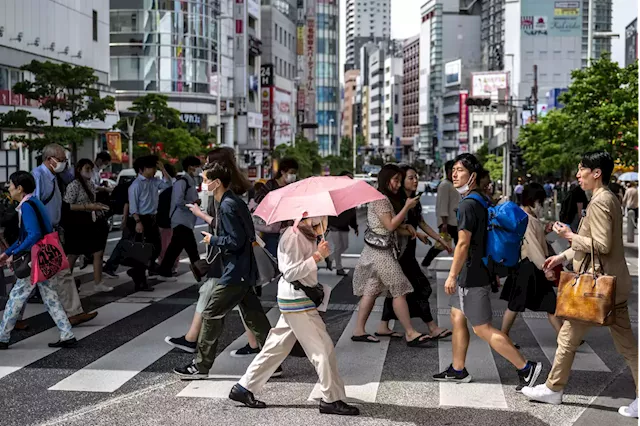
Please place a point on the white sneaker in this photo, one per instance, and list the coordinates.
(542, 393)
(631, 410)
(100, 287)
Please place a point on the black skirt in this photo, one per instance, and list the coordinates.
(528, 288)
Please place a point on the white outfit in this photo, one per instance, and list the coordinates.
(299, 321)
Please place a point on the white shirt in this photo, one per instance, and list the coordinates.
(296, 262)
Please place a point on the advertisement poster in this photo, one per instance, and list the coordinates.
(553, 18)
(266, 116)
(463, 118)
(114, 145)
(487, 84)
(282, 119)
(453, 73)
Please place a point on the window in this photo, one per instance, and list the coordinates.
(276, 33)
(95, 25)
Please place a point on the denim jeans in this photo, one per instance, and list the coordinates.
(17, 300)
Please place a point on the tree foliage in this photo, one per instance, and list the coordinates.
(179, 143)
(305, 152)
(493, 164)
(600, 113)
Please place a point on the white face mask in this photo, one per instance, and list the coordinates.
(59, 166)
(465, 188)
(290, 178)
(87, 175)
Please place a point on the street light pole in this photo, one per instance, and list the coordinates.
(354, 143)
(590, 34)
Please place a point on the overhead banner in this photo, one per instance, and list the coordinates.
(541, 18)
(114, 145)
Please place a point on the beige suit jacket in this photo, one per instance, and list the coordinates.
(603, 223)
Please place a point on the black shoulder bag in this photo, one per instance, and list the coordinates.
(315, 293)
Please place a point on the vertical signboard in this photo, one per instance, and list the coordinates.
(310, 59)
(281, 116)
(266, 117)
(631, 43)
(114, 145)
(463, 118)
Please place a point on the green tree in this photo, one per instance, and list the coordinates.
(22, 120)
(600, 113)
(493, 164)
(179, 143)
(305, 152)
(207, 139)
(67, 89)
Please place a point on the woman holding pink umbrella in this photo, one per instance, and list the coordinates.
(379, 270)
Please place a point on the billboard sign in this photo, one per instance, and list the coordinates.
(553, 18)
(453, 73)
(282, 116)
(487, 84)
(266, 116)
(463, 118)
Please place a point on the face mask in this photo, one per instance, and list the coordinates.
(465, 188)
(87, 175)
(212, 186)
(290, 178)
(59, 166)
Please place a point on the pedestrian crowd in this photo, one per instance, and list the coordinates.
(159, 216)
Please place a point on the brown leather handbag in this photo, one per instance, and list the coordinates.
(587, 296)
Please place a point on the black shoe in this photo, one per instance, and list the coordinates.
(69, 343)
(182, 343)
(329, 264)
(240, 394)
(109, 272)
(339, 407)
(247, 350)
(451, 375)
(190, 372)
(341, 273)
(4, 346)
(529, 376)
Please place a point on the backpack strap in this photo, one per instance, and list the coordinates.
(479, 198)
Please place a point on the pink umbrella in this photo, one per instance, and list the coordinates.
(315, 196)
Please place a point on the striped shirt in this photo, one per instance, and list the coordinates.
(302, 304)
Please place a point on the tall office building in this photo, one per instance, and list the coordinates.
(327, 73)
(492, 34)
(348, 110)
(410, 92)
(367, 21)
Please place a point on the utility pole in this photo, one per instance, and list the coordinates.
(534, 94)
(507, 177)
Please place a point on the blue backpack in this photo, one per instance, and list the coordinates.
(506, 225)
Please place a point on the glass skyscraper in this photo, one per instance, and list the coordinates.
(327, 75)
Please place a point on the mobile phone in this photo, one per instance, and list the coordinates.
(190, 205)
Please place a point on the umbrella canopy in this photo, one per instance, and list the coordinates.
(315, 196)
(628, 177)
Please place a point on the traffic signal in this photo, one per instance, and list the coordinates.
(479, 102)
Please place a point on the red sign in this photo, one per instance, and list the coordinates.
(463, 118)
(267, 96)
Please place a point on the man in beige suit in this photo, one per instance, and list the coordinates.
(602, 224)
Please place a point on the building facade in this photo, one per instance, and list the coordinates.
(492, 34)
(327, 78)
(392, 117)
(348, 110)
(631, 43)
(77, 34)
(367, 21)
(410, 92)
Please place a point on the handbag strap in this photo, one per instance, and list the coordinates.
(592, 259)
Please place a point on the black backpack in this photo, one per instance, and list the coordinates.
(163, 217)
(9, 220)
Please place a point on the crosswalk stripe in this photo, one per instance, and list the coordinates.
(486, 389)
(34, 348)
(226, 370)
(109, 373)
(586, 359)
(360, 363)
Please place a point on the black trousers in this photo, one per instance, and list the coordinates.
(182, 239)
(434, 252)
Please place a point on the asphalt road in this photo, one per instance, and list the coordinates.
(120, 372)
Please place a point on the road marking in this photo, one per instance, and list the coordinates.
(110, 372)
(360, 363)
(34, 348)
(486, 389)
(226, 370)
(586, 359)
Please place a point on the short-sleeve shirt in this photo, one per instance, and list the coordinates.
(472, 217)
(375, 210)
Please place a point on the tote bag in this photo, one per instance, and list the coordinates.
(47, 256)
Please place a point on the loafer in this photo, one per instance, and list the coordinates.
(244, 396)
(69, 343)
(339, 408)
(82, 318)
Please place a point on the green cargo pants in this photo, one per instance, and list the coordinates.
(223, 300)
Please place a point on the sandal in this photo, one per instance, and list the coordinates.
(420, 342)
(393, 335)
(366, 338)
(443, 334)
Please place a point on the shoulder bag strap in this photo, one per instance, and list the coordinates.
(43, 229)
(50, 197)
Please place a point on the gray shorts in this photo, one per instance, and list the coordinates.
(205, 294)
(474, 303)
